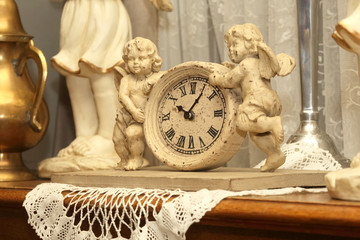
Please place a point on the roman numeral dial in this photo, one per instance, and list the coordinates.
(191, 115)
(189, 123)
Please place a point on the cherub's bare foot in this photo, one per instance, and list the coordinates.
(69, 150)
(273, 162)
(136, 163)
(278, 130)
(95, 145)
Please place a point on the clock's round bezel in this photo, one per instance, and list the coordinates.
(228, 141)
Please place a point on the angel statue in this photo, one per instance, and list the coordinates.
(139, 72)
(259, 112)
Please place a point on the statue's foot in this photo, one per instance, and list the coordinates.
(94, 145)
(273, 162)
(278, 130)
(135, 163)
(56, 165)
(74, 163)
(69, 150)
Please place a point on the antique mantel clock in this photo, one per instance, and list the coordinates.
(190, 124)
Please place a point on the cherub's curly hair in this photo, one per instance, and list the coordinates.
(143, 44)
(248, 31)
(269, 64)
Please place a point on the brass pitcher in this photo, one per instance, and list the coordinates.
(24, 115)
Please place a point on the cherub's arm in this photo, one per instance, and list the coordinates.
(230, 79)
(151, 81)
(124, 96)
(229, 65)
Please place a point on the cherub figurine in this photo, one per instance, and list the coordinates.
(259, 113)
(142, 62)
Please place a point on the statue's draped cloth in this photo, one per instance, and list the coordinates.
(93, 33)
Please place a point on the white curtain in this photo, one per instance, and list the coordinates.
(195, 30)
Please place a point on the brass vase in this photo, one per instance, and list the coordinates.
(24, 115)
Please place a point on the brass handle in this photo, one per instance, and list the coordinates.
(39, 58)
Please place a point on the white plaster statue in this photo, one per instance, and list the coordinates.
(92, 36)
(142, 62)
(259, 113)
(91, 43)
(345, 183)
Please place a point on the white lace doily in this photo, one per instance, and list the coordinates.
(60, 211)
(302, 156)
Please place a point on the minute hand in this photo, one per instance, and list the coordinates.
(197, 99)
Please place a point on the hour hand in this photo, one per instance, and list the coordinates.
(180, 108)
(187, 114)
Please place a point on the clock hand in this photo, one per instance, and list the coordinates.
(187, 114)
(190, 114)
(197, 99)
(180, 108)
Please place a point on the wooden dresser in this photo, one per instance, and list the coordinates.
(296, 216)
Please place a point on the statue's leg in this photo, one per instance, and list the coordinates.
(84, 110)
(105, 96)
(83, 105)
(267, 143)
(262, 125)
(136, 146)
(274, 124)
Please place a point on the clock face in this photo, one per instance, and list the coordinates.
(191, 115)
(190, 124)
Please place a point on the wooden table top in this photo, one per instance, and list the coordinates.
(302, 213)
